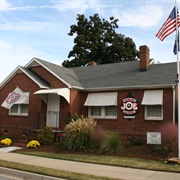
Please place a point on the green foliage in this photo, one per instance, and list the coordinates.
(135, 141)
(110, 144)
(45, 136)
(74, 118)
(78, 133)
(97, 40)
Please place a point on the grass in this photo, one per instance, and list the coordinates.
(89, 158)
(112, 160)
(51, 172)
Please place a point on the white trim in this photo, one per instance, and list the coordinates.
(153, 117)
(103, 113)
(19, 111)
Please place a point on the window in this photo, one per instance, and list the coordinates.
(95, 111)
(153, 101)
(153, 112)
(103, 112)
(19, 109)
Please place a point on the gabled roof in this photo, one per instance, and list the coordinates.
(20, 69)
(124, 75)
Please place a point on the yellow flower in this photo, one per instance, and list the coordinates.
(33, 144)
(6, 141)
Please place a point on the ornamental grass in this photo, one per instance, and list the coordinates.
(79, 133)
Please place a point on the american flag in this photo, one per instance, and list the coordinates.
(169, 26)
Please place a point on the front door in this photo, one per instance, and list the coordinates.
(53, 105)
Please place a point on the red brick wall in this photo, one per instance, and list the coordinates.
(37, 108)
(137, 126)
(26, 85)
(55, 83)
(77, 103)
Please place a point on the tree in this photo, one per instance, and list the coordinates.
(96, 40)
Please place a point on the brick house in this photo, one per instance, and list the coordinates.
(132, 98)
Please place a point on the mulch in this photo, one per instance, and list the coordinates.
(143, 151)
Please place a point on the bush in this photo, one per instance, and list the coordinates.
(78, 133)
(97, 137)
(6, 141)
(169, 137)
(134, 141)
(110, 144)
(33, 144)
(46, 135)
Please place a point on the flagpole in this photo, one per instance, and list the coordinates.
(178, 83)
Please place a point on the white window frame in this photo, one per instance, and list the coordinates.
(153, 117)
(19, 110)
(103, 113)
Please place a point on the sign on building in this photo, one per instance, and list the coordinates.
(129, 107)
(153, 138)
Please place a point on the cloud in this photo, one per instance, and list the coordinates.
(144, 16)
(78, 5)
(4, 5)
(29, 26)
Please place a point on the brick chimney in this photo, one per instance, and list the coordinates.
(144, 58)
(92, 63)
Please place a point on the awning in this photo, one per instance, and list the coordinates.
(153, 97)
(64, 92)
(101, 99)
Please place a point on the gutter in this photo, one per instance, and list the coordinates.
(123, 87)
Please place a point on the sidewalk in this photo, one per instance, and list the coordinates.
(87, 168)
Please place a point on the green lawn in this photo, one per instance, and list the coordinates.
(96, 159)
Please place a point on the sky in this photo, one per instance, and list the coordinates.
(39, 28)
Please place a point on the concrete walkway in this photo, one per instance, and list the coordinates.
(86, 168)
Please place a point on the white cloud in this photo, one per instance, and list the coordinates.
(31, 26)
(78, 5)
(144, 16)
(4, 5)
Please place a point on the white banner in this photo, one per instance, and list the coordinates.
(15, 97)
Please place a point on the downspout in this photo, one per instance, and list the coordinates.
(173, 104)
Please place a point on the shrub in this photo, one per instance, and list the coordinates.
(97, 136)
(78, 133)
(135, 141)
(110, 144)
(6, 141)
(46, 135)
(33, 144)
(169, 137)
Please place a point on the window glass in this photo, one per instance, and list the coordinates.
(24, 108)
(154, 111)
(111, 111)
(14, 108)
(96, 111)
